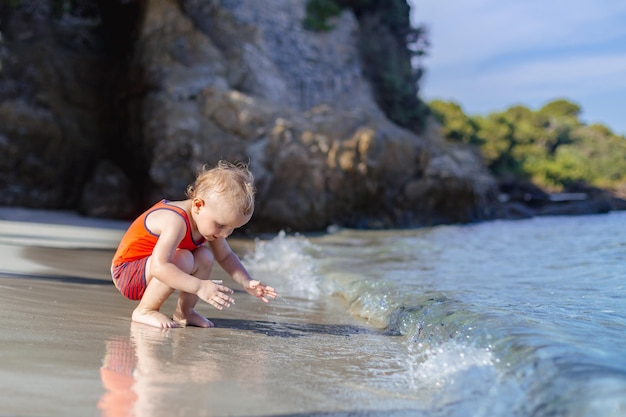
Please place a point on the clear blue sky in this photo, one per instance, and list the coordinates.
(488, 55)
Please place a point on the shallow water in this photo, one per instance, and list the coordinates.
(503, 318)
(506, 318)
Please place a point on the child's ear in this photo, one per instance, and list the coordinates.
(197, 203)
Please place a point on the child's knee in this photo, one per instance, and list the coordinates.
(184, 260)
(204, 257)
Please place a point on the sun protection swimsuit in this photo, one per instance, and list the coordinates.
(128, 267)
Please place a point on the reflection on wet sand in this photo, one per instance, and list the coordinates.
(117, 377)
(152, 366)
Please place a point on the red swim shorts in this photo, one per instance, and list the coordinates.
(130, 278)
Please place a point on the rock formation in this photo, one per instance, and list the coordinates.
(83, 122)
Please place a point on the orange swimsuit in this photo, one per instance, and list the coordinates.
(128, 267)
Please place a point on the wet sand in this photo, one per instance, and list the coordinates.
(69, 348)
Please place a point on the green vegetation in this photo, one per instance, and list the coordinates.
(318, 12)
(550, 147)
(390, 50)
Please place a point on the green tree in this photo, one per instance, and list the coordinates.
(551, 146)
(561, 108)
(497, 134)
(318, 12)
(456, 126)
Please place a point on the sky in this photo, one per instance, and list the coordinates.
(488, 55)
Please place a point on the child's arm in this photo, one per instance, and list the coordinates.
(171, 229)
(231, 263)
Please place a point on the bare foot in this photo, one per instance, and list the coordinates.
(153, 318)
(193, 318)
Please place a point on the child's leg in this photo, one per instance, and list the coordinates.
(185, 312)
(147, 312)
(156, 293)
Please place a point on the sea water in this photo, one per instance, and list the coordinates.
(502, 318)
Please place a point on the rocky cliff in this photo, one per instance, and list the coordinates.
(117, 104)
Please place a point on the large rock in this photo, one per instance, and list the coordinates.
(243, 81)
(50, 124)
(194, 81)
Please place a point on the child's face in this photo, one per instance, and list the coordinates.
(215, 217)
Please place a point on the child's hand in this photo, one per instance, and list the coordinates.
(260, 290)
(215, 294)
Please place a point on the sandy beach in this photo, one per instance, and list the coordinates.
(69, 347)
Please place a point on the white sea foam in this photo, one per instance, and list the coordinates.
(446, 364)
(461, 377)
(285, 262)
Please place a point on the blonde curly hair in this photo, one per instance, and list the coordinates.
(232, 181)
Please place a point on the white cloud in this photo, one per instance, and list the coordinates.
(464, 31)
(569, 75)
(489, 54)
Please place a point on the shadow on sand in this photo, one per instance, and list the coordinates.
(56, 278)
(277, 329)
